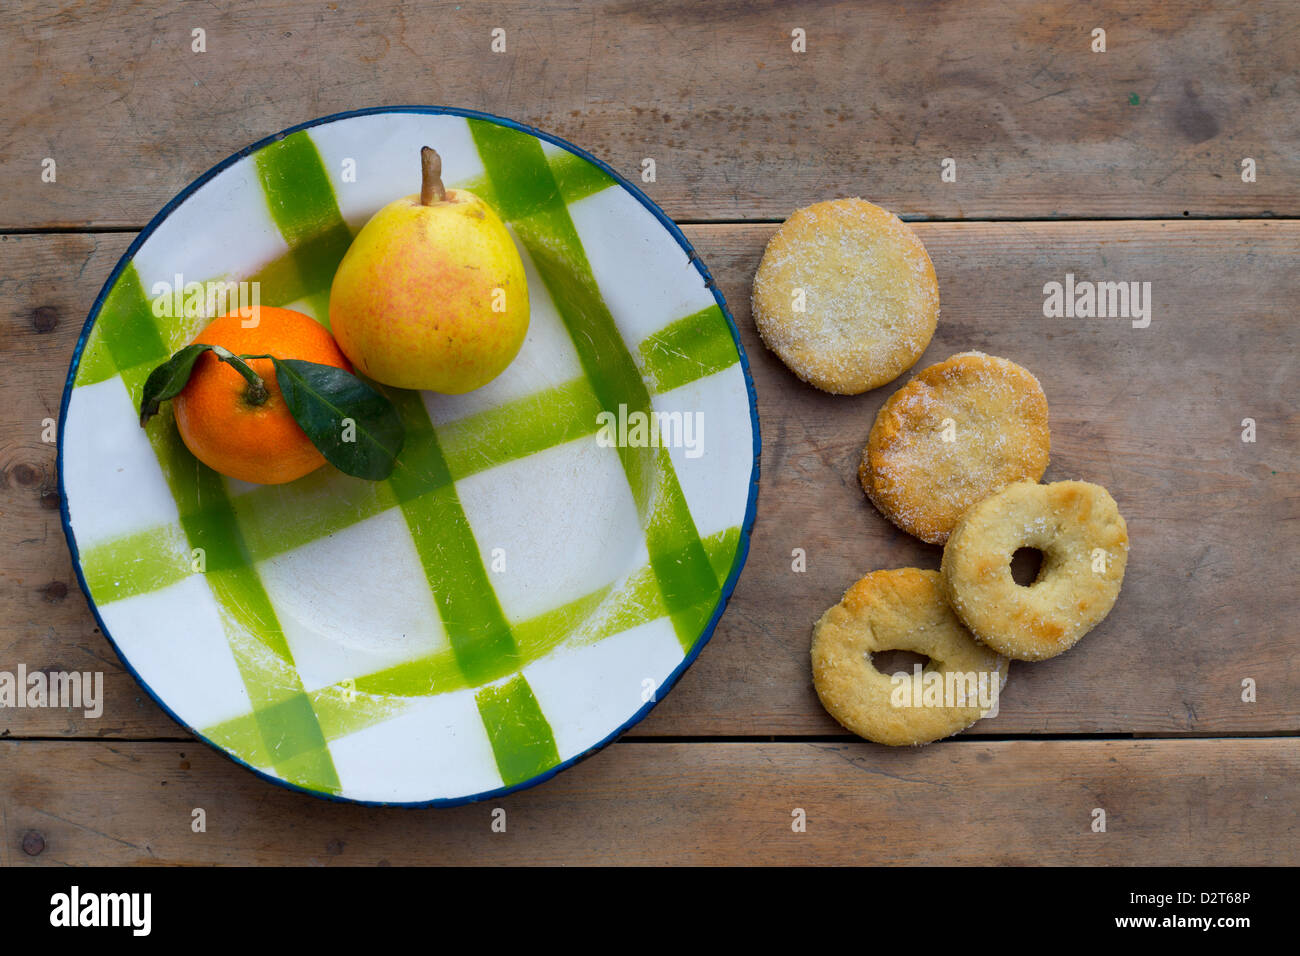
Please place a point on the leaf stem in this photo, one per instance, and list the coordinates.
(256, 393)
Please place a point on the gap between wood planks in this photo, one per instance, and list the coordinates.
(767, 738)
(1185, 217)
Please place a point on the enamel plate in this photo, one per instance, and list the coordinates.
(557, 550)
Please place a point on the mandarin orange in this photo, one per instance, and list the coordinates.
(259, 443)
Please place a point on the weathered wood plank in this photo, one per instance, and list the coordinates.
(739, 125)
(48, 284)
(1191, 803)
(1154, 414)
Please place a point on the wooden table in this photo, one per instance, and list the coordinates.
(1118, 165)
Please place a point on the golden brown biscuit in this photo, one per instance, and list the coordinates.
(902, 609)
(846, 296)
(957, 432)
(1078, 528)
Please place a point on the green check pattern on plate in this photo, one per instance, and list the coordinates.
(517, 593)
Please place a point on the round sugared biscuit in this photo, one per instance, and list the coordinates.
(957, 432)
(902, 609)
(846, 295)
(1084, 540)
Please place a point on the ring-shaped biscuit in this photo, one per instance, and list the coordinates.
(1084, 541)
(902, 609)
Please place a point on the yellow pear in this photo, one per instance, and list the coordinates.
(431, 294)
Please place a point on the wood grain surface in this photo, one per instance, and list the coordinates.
(739, 125)
(1123, 165)
(1201, 802)
(1153, 414)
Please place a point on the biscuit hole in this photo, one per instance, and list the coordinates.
(891, 662)
(1026, 563)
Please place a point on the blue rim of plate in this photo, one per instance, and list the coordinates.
(742, 547)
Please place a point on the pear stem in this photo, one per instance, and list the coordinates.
(431, 188)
